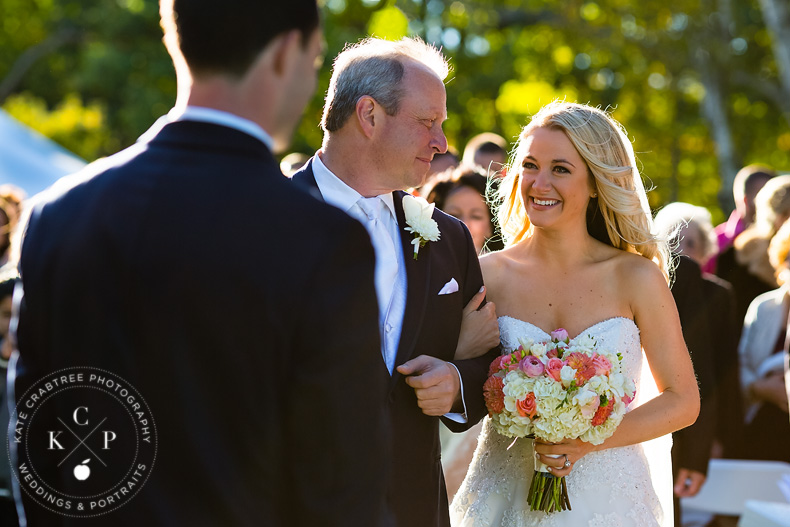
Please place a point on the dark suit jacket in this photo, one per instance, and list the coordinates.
(189, 266)
(431, 325)
(692, 445)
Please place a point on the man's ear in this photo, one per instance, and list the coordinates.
(366, 110)
(287, 47)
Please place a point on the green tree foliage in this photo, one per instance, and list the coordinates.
(694, 82)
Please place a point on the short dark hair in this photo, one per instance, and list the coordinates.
(227, 36)
(750, 176)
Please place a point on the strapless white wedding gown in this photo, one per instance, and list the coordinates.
(618, 487)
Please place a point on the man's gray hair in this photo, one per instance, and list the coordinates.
(375, 67)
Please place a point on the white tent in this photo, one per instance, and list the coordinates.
(29, 160)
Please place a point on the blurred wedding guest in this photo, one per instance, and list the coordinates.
(442, 162)
(748, 182)
(248, 354)
(291, 163)
(693, 234)
(13, 195)
(762, 361)
(706, 310)
(9, 216)
(487, 151)
(8, 514)
(462, 193)
(746, 265)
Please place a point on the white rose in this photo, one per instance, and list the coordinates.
(598, 383)
(585, 341)
(567, 374)
(617, 383)
(539, 350)
(584, 397)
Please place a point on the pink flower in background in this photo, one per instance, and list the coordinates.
(559, 334)
(492, 393)
(527, 407)
(601, 364)
(552, 353)
(531, 366)
(554, 367)
(627, 399)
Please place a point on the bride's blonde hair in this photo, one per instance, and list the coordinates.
(620, 215)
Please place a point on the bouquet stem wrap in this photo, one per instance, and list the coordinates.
(547, 492)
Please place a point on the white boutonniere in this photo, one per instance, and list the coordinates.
(418, 214)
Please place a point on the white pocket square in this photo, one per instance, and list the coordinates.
(449, 287)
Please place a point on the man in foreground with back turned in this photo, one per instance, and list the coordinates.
(179, 266)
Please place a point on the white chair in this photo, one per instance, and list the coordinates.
(731, 483)
(765, 514)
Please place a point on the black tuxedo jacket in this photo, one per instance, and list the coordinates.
(692, 445)
(431, 324)
(191, 267)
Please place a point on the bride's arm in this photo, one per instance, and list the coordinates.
(677, 404)
(479, 327)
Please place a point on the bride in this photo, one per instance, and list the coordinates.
(580, 256)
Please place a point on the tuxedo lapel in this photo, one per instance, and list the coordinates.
(418, 274)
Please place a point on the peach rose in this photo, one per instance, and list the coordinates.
(527, 407)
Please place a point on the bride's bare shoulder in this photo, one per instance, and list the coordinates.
(496, 265)
(637, 273)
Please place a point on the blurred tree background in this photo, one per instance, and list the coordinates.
(702, 86)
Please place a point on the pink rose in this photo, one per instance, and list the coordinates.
(531, 366)
(601, 364)
(559, 334)
(495, 366)
(553, 368)
(493, 395)
(527, 407)
(500, 363)
(552, 353)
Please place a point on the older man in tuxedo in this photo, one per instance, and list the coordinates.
(179, 266)
(383, 123)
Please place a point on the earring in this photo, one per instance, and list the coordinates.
(594, 195)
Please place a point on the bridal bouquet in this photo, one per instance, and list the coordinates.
(554, 390)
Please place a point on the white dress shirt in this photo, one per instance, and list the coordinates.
(340, 195)
(210, 115)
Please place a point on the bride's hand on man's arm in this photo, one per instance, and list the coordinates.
(479, 328)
